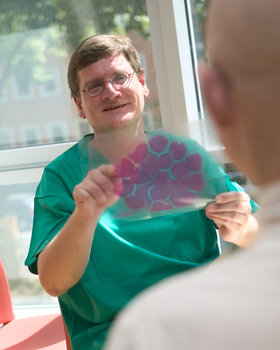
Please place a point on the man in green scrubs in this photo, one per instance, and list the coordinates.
(94, 259)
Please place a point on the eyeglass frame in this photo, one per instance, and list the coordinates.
(103, 83)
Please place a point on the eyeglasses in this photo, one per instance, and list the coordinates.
(118, 81)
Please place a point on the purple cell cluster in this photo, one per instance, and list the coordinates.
(160, 175)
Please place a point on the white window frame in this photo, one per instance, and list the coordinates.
(26, 164)
(173, 64)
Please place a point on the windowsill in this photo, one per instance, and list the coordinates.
(35, 310)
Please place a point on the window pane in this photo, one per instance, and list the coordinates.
(37, 39)
(198, 16)
(16, 214)
(204, 126)
(201, 130)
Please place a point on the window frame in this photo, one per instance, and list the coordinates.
(19, 164)
(172, 48)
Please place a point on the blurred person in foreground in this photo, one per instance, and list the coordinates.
(92, 259)
(235, 303)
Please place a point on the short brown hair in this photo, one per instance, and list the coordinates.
(97, 47)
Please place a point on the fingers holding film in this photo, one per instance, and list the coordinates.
(99, 186)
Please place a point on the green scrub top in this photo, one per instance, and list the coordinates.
(127, 255)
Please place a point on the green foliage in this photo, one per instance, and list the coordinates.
(200, 7)
(32, 29)
(75, 19)
(199, 13)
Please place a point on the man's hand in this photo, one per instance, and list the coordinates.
(97, 191)
(231, 212)
(63, 261)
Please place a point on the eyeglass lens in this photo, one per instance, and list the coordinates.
(118, 80)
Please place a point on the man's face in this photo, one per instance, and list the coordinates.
(112, 109)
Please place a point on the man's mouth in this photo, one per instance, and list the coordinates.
(111, 108)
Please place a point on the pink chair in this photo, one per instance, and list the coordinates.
(31, 333)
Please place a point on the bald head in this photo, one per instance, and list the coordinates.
(243, 36)
(241, 86)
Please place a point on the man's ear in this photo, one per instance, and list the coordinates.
(78, 103)
(216, 95)
(146, 91)
(142, 80)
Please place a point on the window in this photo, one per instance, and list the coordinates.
(16, 211)
(37, 40)
(6, 137)
(56, 131)
(3, 96)
(51, 85)
(175, 54)
(30, 134)
(22, 89)
(196, 12)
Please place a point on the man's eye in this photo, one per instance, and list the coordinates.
(94, 87)
(119, 78)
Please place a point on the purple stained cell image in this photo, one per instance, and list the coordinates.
(158, 193)
(179, 170)
(141, 177)
(158, 143)
(177, 186)
(136, 203)
(127, 188)
(165, 161)
(178, 150)
(126, 168)
(143, 191)
(150, 165)
(161, 206)
(183, 199)
(161, 179)
(196, 182)
(194, 162)
(140, 153)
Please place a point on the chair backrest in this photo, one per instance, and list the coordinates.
(6, 307)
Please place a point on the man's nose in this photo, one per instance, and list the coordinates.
(109, 91)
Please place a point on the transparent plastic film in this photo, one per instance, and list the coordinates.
(164, 175)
